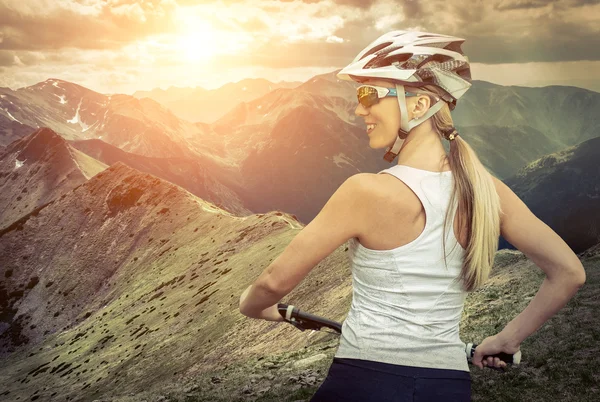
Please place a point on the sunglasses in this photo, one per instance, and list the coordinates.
(369, 95)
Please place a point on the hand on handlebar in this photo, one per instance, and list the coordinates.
(491, 346)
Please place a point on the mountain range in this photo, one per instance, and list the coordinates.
(77, 113)
(208, 105)
(128, 243)
(244, 160)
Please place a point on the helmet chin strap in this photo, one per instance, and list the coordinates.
(405, 125)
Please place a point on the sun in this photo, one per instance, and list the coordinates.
(198, 43)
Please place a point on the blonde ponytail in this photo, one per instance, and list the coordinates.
(478, 201)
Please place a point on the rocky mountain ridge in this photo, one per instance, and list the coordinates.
(36, 169)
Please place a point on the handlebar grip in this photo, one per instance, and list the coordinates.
(304, 321)
(505, 357)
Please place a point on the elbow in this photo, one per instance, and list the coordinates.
(574, 278)
(245, 312)
(581, 279)
(577, 277)
(241, 309)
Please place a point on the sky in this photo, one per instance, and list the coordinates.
(120, 46)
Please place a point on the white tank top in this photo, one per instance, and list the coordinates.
(406, 304)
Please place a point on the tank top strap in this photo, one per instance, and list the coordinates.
(432, 188)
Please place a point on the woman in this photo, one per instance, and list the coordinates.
(400, 340)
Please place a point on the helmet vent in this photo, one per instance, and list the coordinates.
(440, 58)
(381, 60)
(465, 72)
(440, 45)
(376, 49)
(455, 47)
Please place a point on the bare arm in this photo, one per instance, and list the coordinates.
(564, 272)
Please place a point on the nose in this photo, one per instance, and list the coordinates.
(361, 110)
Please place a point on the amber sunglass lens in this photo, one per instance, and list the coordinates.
(367, 96)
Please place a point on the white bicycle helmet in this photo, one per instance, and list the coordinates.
(417, 59)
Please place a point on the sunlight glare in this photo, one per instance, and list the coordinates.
(198, 42)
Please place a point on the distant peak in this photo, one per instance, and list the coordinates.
(36, 145)
(121, 170)
(40, 139)
(126, 187)
(121, 167)
(45, 134)
(58, 83)
(249, 80)
(55, 80)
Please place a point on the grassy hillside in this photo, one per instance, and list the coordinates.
(560, 360)
(146, 282)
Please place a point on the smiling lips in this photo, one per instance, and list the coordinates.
(370, 127)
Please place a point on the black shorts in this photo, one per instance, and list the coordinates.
(350, 380)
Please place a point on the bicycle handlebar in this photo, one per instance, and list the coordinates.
(304, 321)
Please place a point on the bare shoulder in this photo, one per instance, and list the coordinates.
(510, 203)
(513, 208)
(385, 190)
(372, 184)
(361, 184)
(362, 188)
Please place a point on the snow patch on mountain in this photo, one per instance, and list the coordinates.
(75, 119)
(85, 128)
(11, 116)
(62, 98)
(18, 164)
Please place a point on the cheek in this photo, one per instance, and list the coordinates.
(391, 118)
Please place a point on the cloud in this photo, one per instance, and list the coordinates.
(37, 25)
(364, 4)
(579, 3)
(302, 54)
(253, 24)
(504, 32)
(111, 38)
(131, 11)
(508, 31)
(7, 58)
(504, 5)
(411, 8)
(520, 4)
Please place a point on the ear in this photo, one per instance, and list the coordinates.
(422, 104)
